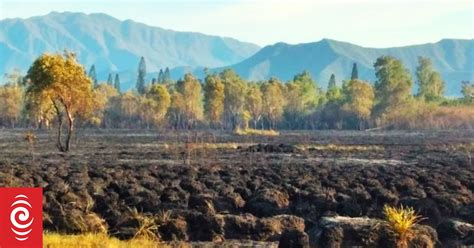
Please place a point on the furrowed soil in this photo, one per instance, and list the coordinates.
(213, 186)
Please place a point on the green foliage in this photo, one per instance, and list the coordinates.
(93, 75)
(167, 76)
(11, 103)
(430, 84)
(468, 91)
(59, 92)
(214, 99)
(254, 103)
(302, 97)
(274, 101)
(157, 103)
(161, 77)
(234, 95)
(187, 107)
(392, 88)
(355, 72)
(333, 94)
(117, 83)
(102, 95)
(110, 81)
(61, 81)
(141, 76)
(358, 101)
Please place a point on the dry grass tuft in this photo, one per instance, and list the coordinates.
(55, 240)
(147, 227)
(401, 221)
(249, 131)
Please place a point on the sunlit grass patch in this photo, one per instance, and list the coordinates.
(56, 240)
(249, 131)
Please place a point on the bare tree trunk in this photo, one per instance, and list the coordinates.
(59, 144)
(70, 130)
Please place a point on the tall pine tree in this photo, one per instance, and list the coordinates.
(117, 83)
(355, 72)
(93, 75)
(141, 76)
(110, 80)
(334, 93)
(161, 77)
(167, 76)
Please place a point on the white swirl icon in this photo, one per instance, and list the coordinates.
(20, 217)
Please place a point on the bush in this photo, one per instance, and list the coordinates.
(401, 221)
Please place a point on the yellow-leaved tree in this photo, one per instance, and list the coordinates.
(59, 80)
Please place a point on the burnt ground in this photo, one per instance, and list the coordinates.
(211, 186)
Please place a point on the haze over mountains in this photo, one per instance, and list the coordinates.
(116, 46)
(113, 45)
(454, 59)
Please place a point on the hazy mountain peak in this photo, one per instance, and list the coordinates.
(453, 58)
(112, 44)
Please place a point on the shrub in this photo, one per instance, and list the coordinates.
(401, 221)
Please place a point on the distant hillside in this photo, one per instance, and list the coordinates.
(454, 59)
(113, 45)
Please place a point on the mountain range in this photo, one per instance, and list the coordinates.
(113, 45)
(116, 46)
(453, 58)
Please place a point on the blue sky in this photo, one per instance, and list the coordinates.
(372, 23)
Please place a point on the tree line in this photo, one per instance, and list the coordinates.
(57, 90)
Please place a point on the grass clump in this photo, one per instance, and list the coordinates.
(147, 227)
(249, 131)
(94, 240)
(402, 221)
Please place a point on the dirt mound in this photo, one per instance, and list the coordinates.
(273, 148)
(339, 231)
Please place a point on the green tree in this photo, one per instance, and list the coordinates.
(93, 75)
(392, 88)
(161, 101)
(214, 99)
(141, 76)
(124, 109)
(333, 93)
(234, 96)
(11, 102)
(355, 72)
(61, 81)
(187, 103)
(273, 101)
(117, 83)
(102, 96)
(468, 91)
(302, 98)
(254, 103)
(430, 84)
(110, 81)
(167, 76)
(161, 77)
(358, 101)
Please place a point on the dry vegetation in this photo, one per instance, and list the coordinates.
(256, 132)
(402, 221)
(55, 240)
